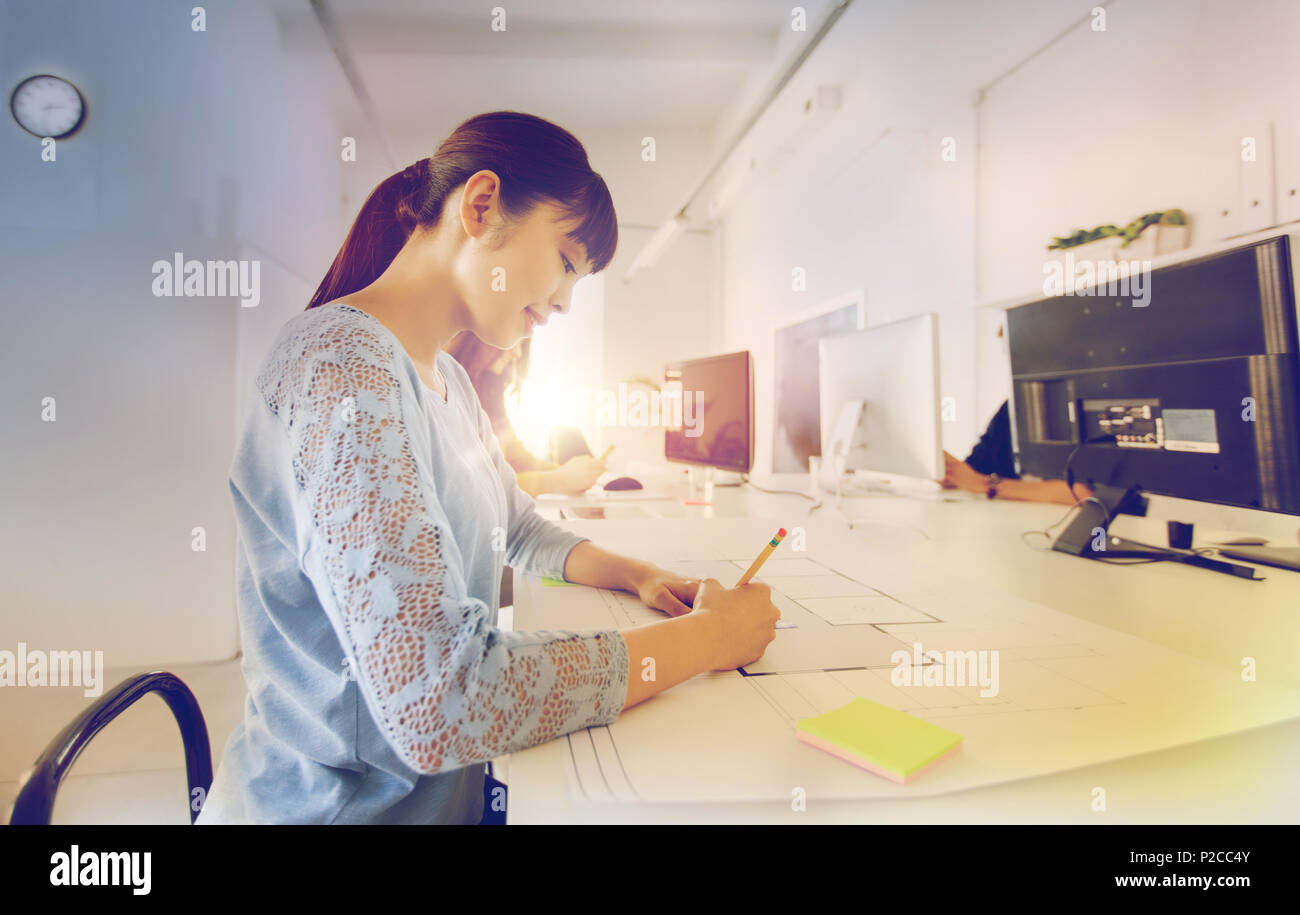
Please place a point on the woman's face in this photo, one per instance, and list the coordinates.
(510, 288)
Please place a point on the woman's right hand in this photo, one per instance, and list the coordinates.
(575, 475)
(744, 621)
(957, 474)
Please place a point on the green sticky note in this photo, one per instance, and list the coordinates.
(883, 740)
(556, 582)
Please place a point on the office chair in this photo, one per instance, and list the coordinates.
(35, 802)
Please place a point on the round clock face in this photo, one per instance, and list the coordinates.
(48, 106)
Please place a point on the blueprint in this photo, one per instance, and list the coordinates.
(1068, 693)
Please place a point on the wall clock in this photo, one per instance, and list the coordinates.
(48, 106)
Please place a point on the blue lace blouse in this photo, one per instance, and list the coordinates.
(374, 518)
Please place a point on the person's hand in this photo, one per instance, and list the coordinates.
(667, 591)
(744, 619)
(575, 475)
(960, 475)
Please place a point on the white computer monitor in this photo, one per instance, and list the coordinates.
(894, 369)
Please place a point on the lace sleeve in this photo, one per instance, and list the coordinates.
(446, 688)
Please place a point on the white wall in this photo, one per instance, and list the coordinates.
(866, 202)
(210, 143)
(1077, 128)
(664, 314)
(1144, 116)
(1147, 115)
(668, 311)
(895, 221)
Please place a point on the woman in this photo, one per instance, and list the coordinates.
(375, 511)
(492, 372)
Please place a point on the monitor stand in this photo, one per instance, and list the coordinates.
(1088, 535)
(703, 479)
(701, 485)
(868, 483)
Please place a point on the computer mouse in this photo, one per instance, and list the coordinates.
(623, 483)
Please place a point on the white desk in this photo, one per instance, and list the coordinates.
(1244, 777)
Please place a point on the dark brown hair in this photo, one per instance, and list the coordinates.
(477, 358)
(537, 162)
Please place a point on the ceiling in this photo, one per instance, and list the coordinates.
(613, 66)
(588, 64)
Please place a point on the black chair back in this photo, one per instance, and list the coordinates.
(35, 803)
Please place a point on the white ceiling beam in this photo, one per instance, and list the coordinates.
(324, 19)
(370, 33)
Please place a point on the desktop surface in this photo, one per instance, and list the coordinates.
(1203, 622)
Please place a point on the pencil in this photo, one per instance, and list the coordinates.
(607, 451)
(762, 557)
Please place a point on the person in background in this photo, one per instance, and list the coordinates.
(991, 469)
(494, 372)
(991, 466)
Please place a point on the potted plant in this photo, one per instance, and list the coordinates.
(1145, 237)
(1155, 234)
(1097, 244)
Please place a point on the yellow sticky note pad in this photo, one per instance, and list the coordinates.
(556, 582)
(890, 743)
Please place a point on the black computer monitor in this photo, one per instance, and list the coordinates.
(716, 427)
(1188, 388)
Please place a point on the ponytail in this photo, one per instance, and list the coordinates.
(386, 220)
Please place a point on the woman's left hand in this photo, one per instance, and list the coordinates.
(667, 591)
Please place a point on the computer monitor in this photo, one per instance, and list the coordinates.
(1188, 389)
(716, 427)
(894, 369)
(796, 431)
